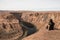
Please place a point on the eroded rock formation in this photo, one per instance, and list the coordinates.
(10, 28)
(27, 25)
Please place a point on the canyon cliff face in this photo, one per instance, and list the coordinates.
(9, 27)
(27, 25)
(41, 18)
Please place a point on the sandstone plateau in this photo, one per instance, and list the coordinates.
(29, 25)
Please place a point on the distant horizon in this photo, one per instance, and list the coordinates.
(30, 5)
(30, 10)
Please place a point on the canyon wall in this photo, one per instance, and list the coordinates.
(12, 21)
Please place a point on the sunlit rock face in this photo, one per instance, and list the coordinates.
(37, 18)
(10, 28)
(41, 18)
(41, 21)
